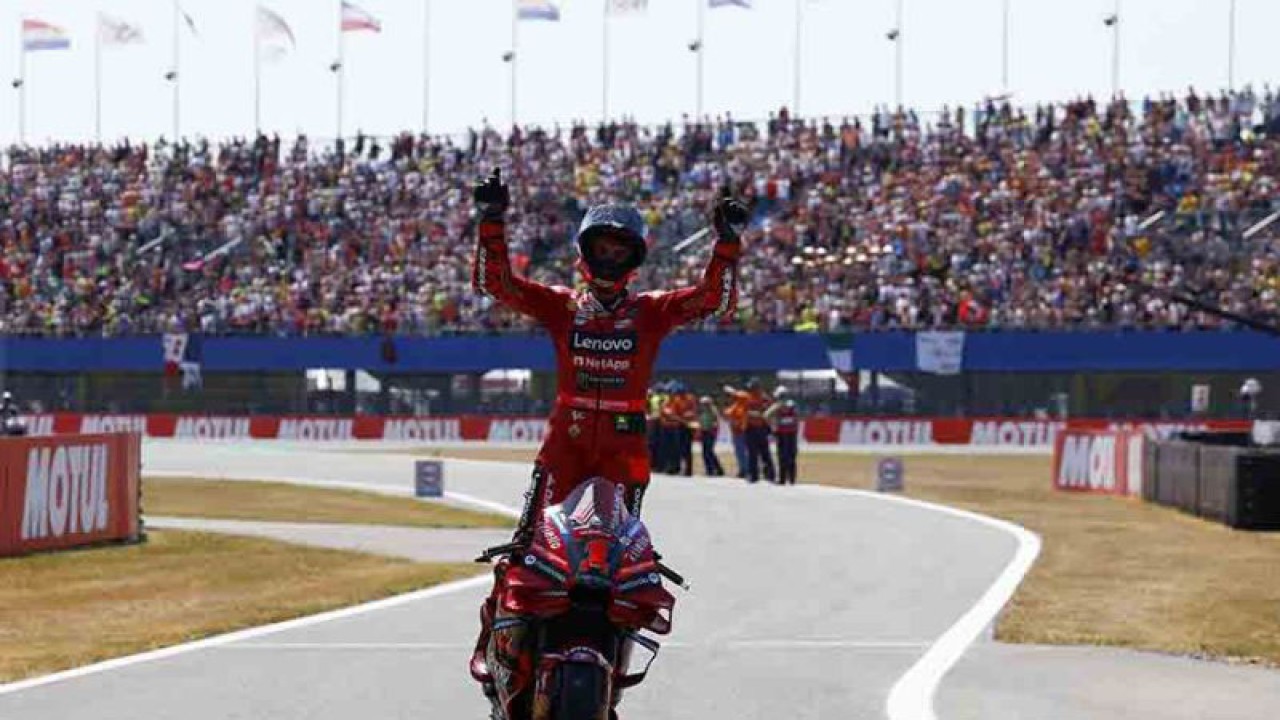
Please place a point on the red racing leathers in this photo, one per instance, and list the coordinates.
(604, 359)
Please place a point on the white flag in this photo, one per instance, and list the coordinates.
(113, 31)
(274, 36)
(628, 7)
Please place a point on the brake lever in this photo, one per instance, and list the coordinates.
(498, 551)
(672, 575)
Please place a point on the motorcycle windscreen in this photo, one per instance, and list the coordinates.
(596, 504)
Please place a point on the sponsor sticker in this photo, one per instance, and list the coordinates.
(604, 343)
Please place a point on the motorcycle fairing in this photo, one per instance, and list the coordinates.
(591, 542)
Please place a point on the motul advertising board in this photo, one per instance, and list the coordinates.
(1099, 461)
(825, 429)
(64, 491)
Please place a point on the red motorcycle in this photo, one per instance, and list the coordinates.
(571, 609)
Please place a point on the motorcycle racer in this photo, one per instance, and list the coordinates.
(606, 341)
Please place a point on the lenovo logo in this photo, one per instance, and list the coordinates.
(620, 344)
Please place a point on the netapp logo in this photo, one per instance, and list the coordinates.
(621, 344)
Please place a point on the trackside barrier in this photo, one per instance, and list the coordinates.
(1099, 461)
(1238, 486)
(67, 491)
(877, 432)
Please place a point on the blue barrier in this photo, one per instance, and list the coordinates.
(1012, 351)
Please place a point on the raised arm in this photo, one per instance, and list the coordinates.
(717, 291)
(491, 268)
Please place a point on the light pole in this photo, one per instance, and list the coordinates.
(1113, 21)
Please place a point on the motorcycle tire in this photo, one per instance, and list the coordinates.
(580, 692)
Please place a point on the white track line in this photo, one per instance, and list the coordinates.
(250, 633)
(912, 697)
(796, 644)
(463, 498)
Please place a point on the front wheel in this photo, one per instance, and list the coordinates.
(582, 693)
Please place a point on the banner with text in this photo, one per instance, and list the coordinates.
(818, 429)
(65, 491)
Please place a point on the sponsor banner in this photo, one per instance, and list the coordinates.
(818, 429)
(1107, 462)
(70, 490)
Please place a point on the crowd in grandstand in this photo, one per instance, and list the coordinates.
(985, 217)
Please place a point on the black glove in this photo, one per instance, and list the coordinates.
(729, 218)
(492, 197)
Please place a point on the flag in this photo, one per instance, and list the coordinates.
(724, 3)
(537, 10)
(191, 24)
(184, 355)
(112, 31)
(355, 19)
(175, 346)
(40, 35)
(628, 7)
(274, 34)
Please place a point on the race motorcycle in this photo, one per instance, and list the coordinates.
(571, 611)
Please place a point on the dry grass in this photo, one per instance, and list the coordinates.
(178, 497)
(68, 609)
(1113, 571)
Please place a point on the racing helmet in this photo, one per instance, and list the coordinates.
(617, 221)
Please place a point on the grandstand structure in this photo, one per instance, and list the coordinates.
(995, 220)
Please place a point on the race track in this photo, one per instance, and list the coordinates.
(806, 603)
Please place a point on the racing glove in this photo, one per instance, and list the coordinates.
(492, 197)
(729, 218)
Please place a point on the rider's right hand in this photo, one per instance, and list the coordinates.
(492, 197)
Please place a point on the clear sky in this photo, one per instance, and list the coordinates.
(952, 50)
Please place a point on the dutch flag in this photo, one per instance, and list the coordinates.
(39, 35)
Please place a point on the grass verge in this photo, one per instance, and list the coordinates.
(62, 610)
(1113, 571)
(282, 502)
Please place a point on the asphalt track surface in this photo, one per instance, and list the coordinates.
(806, 603)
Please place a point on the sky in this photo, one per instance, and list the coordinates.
(1059, 49)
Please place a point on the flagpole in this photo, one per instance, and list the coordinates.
(515, 56)
(897, 74)
(1231, 47)
(257, 70)
(342, 66)
(426, 65)
(97, 81)
(177, 73)
(22, 88)
(1115, 53)
(604, 65)
(1004, 51)
(795, 103)
(702, 8)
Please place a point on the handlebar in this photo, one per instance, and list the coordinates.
(513, 547)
